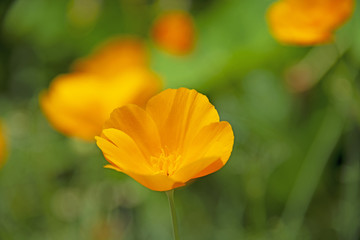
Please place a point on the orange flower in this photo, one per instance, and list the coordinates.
(2, 147)
(174, 32)
(307, 22)
(78, 104)
(113, 57)
(176, 138)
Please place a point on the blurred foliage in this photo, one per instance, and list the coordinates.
(294, 172)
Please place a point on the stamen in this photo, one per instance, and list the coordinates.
(165, 163)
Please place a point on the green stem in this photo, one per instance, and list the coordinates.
(170, 195)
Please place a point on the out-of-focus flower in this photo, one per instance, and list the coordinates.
(307, 22)
(115, 56)
(176, 138)
(2, 146)
(174, 32)
(78, 104)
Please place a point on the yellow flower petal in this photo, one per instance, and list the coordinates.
(179, 115)
(156, 182)
(121, 151)
(136, 122)
(109, 166)
(207, 153)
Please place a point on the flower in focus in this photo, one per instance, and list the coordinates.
(176, 138)
(78, 104)
(307, 22)
(174, 32)
(2, 146)
(117, 55)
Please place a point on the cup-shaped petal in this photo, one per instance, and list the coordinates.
(137, 123)
(155, 181)
(207, 152)
(122, 152)
(180, 114)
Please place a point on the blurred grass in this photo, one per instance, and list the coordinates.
(294, 172)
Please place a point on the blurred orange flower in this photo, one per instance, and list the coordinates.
(78, 104)
(307, 22)
(2, 146)
(174, 32)
(176, 138)
(115, 56)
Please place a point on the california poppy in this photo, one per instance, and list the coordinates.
(176, 138)
(307, 22)
(78, 104)
(174, 32)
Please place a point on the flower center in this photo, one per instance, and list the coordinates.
(165, 163)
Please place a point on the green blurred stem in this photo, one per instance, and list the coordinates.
(309, 175)
(349, 205)
(170, 195)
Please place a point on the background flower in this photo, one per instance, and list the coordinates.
(117, 73)
(307, 22)
(114, 56)
(78, 104)
(174, 31)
